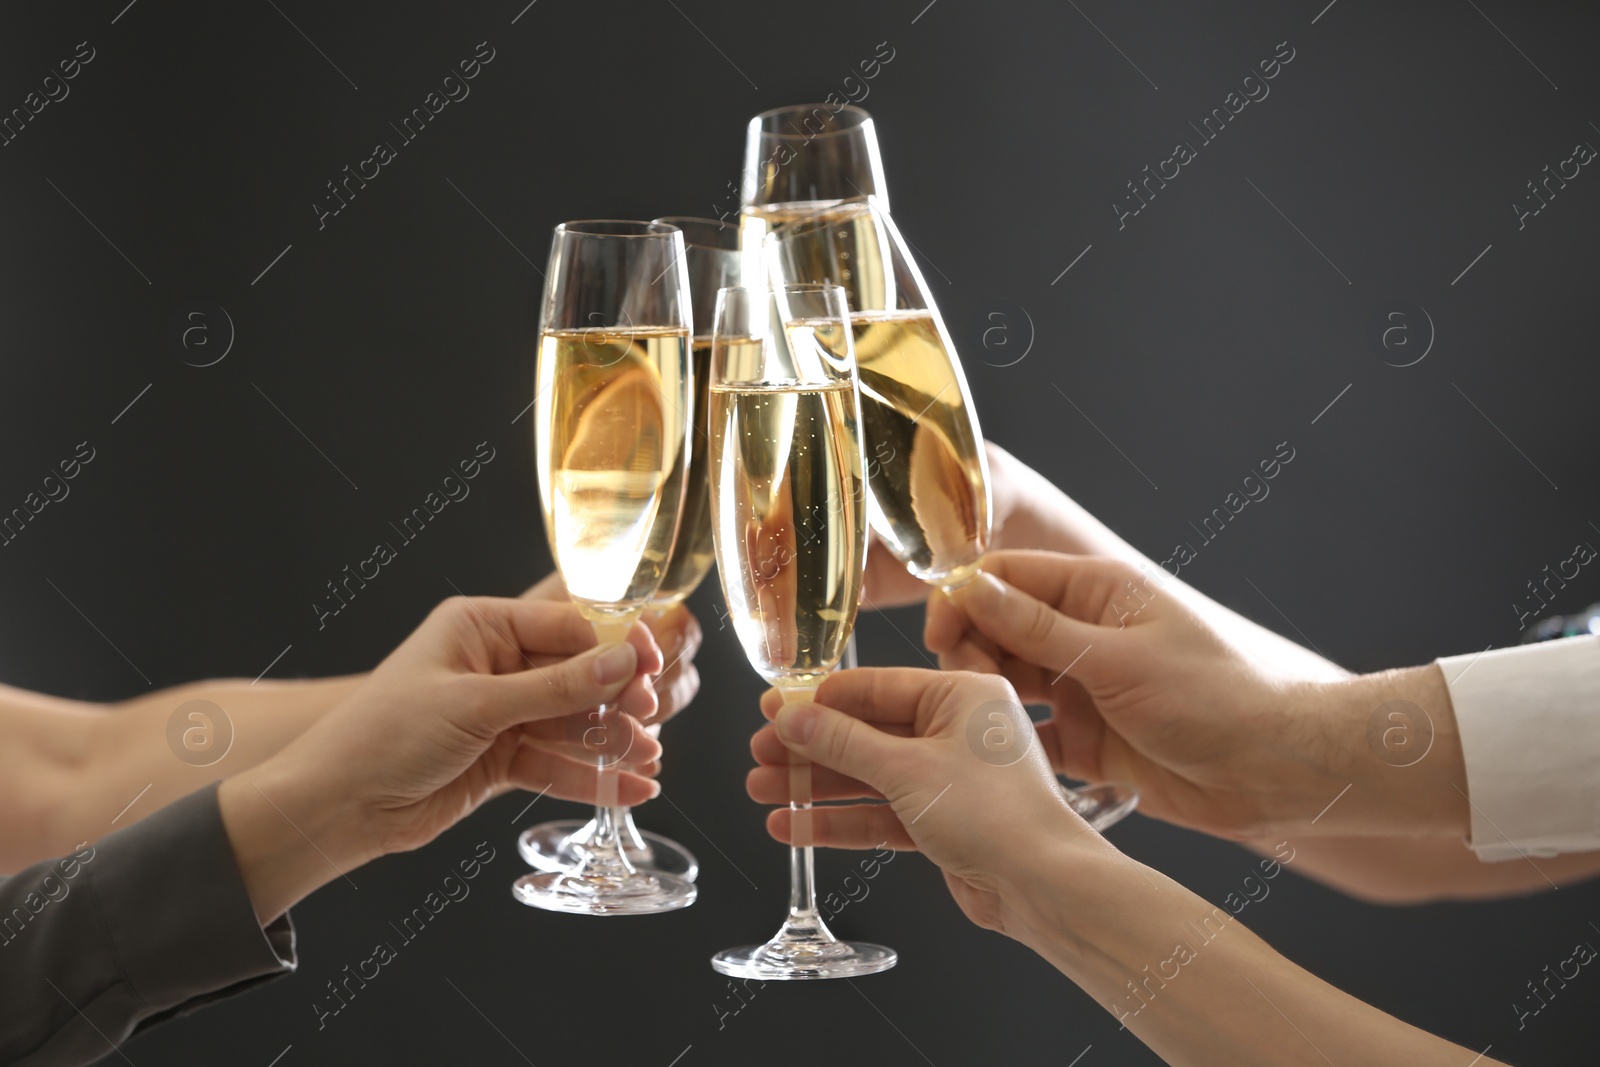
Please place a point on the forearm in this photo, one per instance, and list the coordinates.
(1190, 980)
(291, 834)
(149, 921)
(94, 768)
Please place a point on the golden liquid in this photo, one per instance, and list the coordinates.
(611, 415)
(692, 553)
(926, 468)
(754, 225)
(786, 507)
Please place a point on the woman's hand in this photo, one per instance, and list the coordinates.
(951, 753)
(1142, 689)
(676, 631)
(486, 696)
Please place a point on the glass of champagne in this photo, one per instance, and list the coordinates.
(711, 252)
(798, 159)
(790, 529)
(927, 474)
(611, 422)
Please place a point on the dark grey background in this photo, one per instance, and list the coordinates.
(396, 339)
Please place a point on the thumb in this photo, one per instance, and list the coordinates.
(1027, 628)
(598, 676)
(841, 743)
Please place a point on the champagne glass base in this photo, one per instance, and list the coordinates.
(777, 961)
(1103, 804)
(554, 847)
(608, 894)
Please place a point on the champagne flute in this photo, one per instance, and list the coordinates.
(789, 524)
(798, 159)
(711, 252)
(927, 473)
(611, 423)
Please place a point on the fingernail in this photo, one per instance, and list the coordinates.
(797, 723)
(615, 664)
(991, 585)
(983, 591)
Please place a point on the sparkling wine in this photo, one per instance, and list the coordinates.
(754, 225)
(926, 469)
(692, 553)
(790, 536)
(611, 451)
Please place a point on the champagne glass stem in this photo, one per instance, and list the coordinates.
(608, 814)
(802, 857)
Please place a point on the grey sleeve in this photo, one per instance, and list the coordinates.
(151, 922)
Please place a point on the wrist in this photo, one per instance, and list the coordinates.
(289, 835)
(1048, 890)
(1392, 739)
(1105, 920)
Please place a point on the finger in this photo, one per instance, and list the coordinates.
(968, 655)
(1025, 626)
(848, 745)
(945, 624)
(599, 676)
(877, 694)
(1087, 588)
(1033, 684)
(676, 631)
(769, 751)
(542, 771)
(550, 587)
(858, 826)
(541, 628)
(496, 635)
(618, 736)
(647, 768)
(675, 690)
(770, 785)
(885, 581)
(651, 661)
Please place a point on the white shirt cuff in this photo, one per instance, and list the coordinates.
(1530, 734)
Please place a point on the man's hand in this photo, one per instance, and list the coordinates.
(1143, 690)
